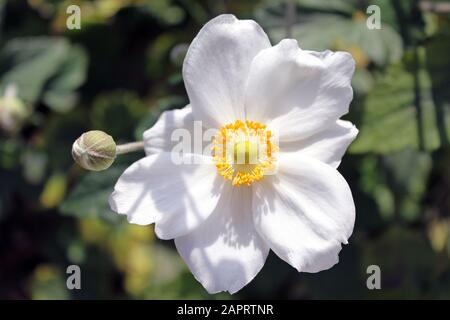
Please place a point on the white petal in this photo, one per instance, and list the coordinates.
(328, 145)
(225, 253)
(297, 92)
(178, 197)
(216, 67)
(172, 128)
(304, 212)
(160, 137)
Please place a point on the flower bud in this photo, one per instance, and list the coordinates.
(94, 150)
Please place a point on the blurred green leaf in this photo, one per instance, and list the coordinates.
(408, 173)
(390, 119)
(10, 152)
(397, 183)
(60, 132)
(117, 113)
(90, 197)
(341, 6)
(48, 283)
(438, 66)
(381, 46)
(54, 191)
(46, 67)
(34, 164)
(59, 93)
(362, 81)
(165, 11)
(164, 104)
(29, 63)
(373, 183)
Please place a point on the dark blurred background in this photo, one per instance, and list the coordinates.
(123, 68)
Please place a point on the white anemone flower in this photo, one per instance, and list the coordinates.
(277, 105)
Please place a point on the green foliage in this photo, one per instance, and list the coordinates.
(396, 182)
(59, 91)
(48, 283)
(126, 106)
(43, 67)
(398, 113)
(380, 46)
(407, 174)
(173, 102)
(90, 197)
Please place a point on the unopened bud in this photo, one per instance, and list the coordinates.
(94, 150)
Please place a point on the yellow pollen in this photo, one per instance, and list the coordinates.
(243, 152)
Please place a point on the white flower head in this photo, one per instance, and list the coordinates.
(270, 178)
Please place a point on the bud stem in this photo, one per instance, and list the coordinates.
(129, 147)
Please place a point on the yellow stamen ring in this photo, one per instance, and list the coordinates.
(243, 152)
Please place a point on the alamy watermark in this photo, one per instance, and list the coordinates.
(74, 279)
(236, 147)
(374, 279)
(373, 21)
(73, 21)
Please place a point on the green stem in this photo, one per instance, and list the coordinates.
(290, 17)
(130, 147)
